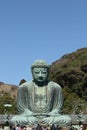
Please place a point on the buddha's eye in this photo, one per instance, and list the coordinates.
(40, 70)
(37, 72)
(44, 72)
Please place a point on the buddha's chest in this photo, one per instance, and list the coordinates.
(40, 95)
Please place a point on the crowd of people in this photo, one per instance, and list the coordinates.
(38, 127)
(48, 127)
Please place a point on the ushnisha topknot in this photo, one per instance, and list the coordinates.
(39, 63)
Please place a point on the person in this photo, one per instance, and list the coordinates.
(48, 127)
(40, 101)
(53, 127)
(80, 126)
(57, 127)
(38, 127)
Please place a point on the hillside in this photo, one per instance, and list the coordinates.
(70, 71)
(8, 94)
(8, 88)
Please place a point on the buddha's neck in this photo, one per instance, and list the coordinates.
(41, 84)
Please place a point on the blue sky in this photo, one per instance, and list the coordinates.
(38, 29)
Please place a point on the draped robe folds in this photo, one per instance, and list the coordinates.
(30, 112)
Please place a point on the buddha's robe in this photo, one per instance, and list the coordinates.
(40, 105)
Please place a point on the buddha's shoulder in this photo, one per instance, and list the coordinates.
(26, 84)
(54, 84)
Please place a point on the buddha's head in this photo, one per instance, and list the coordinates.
(40, 71)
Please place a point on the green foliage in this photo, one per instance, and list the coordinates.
(5, 98)
(71, 73)
(73, 104)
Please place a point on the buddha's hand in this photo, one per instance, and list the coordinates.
(39, 114)
(27, 112)
(52, 113)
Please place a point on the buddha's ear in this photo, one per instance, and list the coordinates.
(47, 72)
(32, 73)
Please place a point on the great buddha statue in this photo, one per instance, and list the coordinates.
(40, 101)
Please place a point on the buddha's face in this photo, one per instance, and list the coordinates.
(40, 74)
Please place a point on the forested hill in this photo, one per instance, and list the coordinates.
(8, 94)
(70, 71)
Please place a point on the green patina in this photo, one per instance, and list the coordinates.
(40, 101)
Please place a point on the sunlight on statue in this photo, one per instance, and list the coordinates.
(40, 101)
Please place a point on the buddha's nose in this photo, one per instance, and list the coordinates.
(40, 75)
